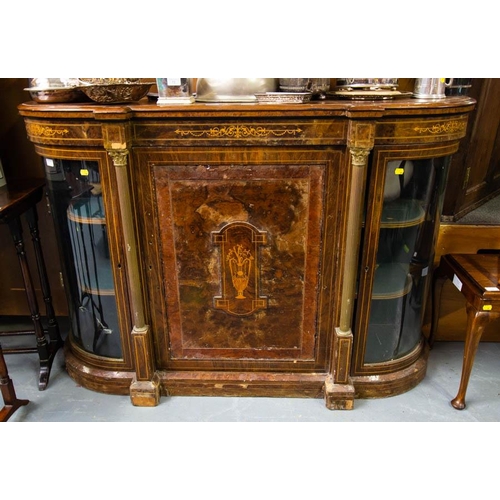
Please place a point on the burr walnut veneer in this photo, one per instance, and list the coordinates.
(239, 245)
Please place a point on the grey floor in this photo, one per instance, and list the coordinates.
(487, 214)
(403, 447)
(66, 401)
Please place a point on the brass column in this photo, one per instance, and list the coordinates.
(339, 391)
(145, 389)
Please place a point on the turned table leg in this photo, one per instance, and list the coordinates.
(8, 393)
(41, 341)
(55, 338)
(476, 322)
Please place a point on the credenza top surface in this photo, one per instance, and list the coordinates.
(329, 108)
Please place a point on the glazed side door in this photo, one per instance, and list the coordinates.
(402, 214)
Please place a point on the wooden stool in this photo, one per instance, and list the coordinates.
(18, 198)
(8, 393)
(477, 276)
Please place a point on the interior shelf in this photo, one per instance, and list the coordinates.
(402, 213)
(87, 211)
(391, 281)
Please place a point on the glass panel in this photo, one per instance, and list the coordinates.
(78, 210)
(413, 194)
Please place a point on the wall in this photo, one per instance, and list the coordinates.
(20, 161)
(476, 165)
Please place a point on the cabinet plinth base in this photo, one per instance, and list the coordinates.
(241, 384)
(145, 392)
(97, 379)
(391, 384)
(339, 396)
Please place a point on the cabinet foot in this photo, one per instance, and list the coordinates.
(339, 396)
(145, 392)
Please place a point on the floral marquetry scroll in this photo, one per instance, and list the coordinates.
(35, 129)
(240, 131)
(240, 268)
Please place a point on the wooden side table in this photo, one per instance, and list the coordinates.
(20, 198)
(477, 276)
(11, 402)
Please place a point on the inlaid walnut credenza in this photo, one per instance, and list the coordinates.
(247, 249)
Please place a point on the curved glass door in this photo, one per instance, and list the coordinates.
(75, 193)
(410, 208)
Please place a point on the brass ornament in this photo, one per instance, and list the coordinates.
(119, 157)
(359, 156)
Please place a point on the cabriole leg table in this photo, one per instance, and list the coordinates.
(477, 277)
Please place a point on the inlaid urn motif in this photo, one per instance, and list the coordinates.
(239, 262)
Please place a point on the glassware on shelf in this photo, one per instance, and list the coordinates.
(174, 91)
(294, 84)
(319, 87)
(367, 83)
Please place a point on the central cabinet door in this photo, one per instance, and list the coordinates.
(240, 255)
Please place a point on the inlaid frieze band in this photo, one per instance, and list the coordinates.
(421, 130)
(239, 132)
(451, 127)
(37, 130)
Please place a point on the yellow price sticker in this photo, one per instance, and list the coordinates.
(488, 307)
(399, 171)
(84, 171)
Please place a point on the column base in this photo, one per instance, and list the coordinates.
(145, 392)
(338, 396)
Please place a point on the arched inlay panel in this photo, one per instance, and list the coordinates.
(240, 268)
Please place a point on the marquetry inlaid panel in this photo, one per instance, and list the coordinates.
(241, 249)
